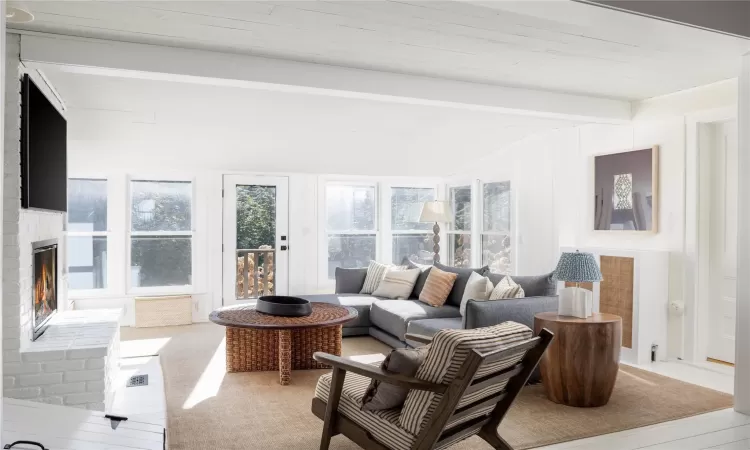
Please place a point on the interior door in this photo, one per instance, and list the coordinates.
(256, 243)
(723, 254)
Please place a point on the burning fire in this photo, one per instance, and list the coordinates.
(44, 289)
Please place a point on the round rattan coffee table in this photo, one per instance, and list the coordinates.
(260, 342)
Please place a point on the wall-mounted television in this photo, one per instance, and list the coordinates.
(44, 142)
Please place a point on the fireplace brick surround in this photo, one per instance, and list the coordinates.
(76, 359)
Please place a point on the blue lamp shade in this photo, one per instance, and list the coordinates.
(578, 267)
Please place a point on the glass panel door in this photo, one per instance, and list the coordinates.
(255, 237)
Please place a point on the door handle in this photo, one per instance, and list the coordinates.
(284, 248)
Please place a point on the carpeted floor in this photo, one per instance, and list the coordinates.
(208, 408)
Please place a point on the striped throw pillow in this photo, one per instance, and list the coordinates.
(507, 288)
(448, 351)
(375, 274)
(437, 287)
(397, 283)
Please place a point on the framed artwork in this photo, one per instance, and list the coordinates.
(626, 189)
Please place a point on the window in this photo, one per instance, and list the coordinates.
(87, 234)
(459, 231)
(161, 233)
(351, 225)
(496, 232)
(410, 238)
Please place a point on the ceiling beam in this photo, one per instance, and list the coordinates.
(121, 59)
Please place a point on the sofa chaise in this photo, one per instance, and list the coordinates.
(390, 320)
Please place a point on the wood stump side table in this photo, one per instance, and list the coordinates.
(581, 364)
(258, 342)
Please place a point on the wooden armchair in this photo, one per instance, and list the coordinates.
(475, 401)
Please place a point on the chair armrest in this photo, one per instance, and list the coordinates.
(376, 373)
(422, 339)
(521, 310)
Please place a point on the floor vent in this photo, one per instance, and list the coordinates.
(137, 380)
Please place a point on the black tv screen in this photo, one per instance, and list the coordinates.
(44, 142)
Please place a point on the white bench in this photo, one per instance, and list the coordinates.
(65, 428)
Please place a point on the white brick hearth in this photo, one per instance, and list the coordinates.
(73, 363)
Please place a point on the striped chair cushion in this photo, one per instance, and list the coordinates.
(383, 424)
(375, 274)
(437, 287)
(448, 352)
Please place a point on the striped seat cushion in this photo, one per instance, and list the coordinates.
(448, 352)
(383, 425)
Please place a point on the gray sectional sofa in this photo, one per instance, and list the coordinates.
(389, 320)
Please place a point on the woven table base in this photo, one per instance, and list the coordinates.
(257, 350)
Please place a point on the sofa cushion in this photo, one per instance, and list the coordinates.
(421, 279)
(397, 284)
(533, 286)
(438, 287)
(393, 316)
(360, 302)
(463, 277)
(428, 327)
(350, 281)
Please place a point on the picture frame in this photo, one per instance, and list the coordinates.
(626, 191)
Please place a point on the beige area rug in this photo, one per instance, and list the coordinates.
(208, 408)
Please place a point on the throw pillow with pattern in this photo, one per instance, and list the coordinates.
(375, 274)
(507, 288)
(397, 283)
(437, 287)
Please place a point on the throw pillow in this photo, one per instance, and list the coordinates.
(397, 283)
(419, 285)
(375, 273)
(463, 277)
(402, 361)
(350, 281)
(437, 287)
(477, 288)
(507, 288)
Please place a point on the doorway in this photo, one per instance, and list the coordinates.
(255, 237)
(717, 235)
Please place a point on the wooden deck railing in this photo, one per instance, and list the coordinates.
(255, 273)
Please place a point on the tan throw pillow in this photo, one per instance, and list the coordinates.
(507, 288)
(437, 287)
(477, 288)
(397, 283)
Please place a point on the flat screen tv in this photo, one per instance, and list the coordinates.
(44, 170)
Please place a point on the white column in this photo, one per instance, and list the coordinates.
(742, 362)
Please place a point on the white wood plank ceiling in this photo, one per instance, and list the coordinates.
(553, 45)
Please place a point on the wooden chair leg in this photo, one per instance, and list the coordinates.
(494, 440)
(329, 423)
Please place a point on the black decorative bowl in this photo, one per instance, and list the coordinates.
(281, 305)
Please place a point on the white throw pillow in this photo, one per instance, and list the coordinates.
(375, 273)
(477, 288)
(397, 283)
(507, 288)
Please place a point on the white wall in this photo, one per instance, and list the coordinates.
(552, 180)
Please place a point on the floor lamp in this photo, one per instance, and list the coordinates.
(436, 211)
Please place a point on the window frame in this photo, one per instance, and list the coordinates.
(97, 292)
(323, 184)
(387, 244)
(129, 233)
(473, 185)
(510, 232)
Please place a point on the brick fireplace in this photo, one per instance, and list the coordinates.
(77, 356)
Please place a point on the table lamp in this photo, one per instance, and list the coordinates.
(436, 211)
(577, 267)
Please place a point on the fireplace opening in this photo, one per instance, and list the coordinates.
(45, 285)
